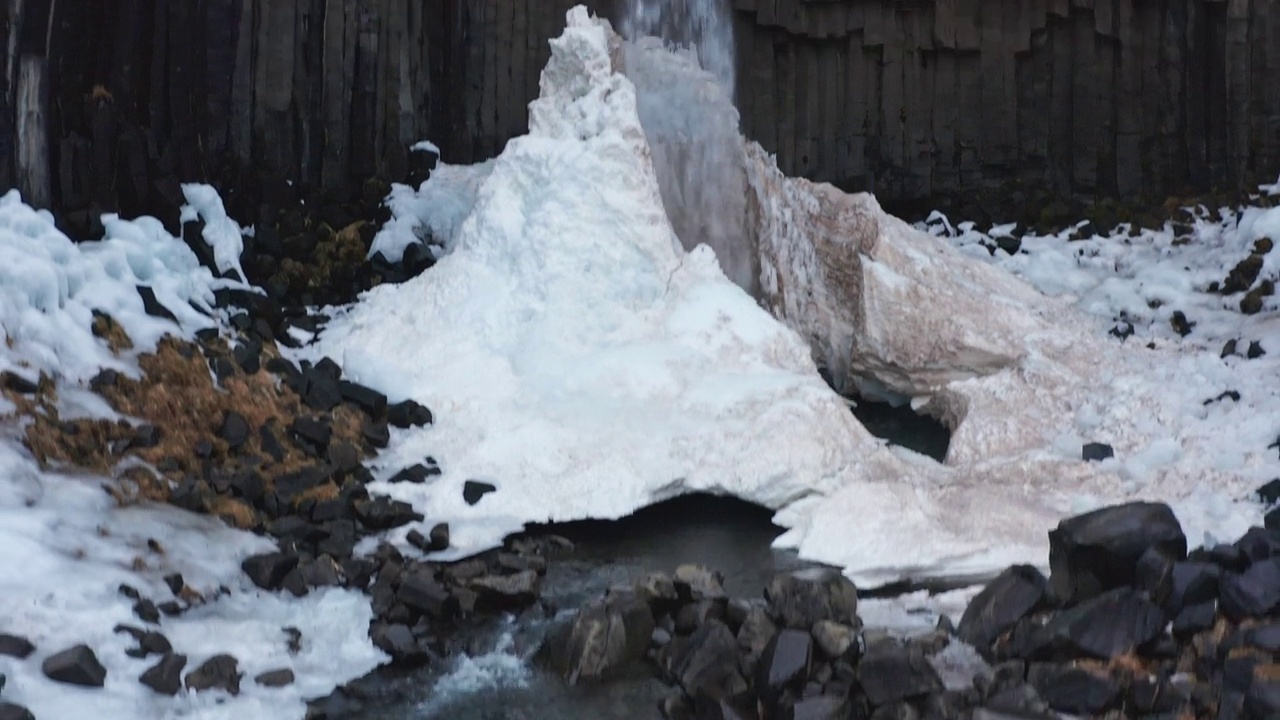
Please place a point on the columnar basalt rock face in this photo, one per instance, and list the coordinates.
(924, 101)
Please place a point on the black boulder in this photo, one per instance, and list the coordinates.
(76, 665)
(1098, 551)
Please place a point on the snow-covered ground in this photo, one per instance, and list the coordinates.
(66, 547)
(581, 361)
(577, 357)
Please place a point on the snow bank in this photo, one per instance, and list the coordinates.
(581, 360)
(65, 548)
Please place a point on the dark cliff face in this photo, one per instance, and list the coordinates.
(110, 104)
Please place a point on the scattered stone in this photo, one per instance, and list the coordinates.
(15, 646)
(408, 414)
(1253, 593)
(146, 611)
(1242, 276)
(275, 678)
(152, 306)
(145, 436)
(77, 665)
(269, 570)
(1228, 349)
(320, 391)
(383, 513)
(149, 642)
(421, 592)
(220, 672)
(473, 490)
(1106, 626)
(1096, 452)
(165, 677)
(1255, 350)
(1098, 551)
(1181, 324)
(415, 474)
(438, 538)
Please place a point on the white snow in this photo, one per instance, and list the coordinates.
(221, 232)
(65, 547)
(578, 358)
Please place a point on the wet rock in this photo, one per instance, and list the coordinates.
(799, 599)
(754, 636)
(1106, 626)
(1096, 452)
(605, 638)
(15, 646)
(834, 639)
(383, 513)
(739, 707)
(660, 592)
(891, 673)
(165, 677)
(372, 402)
(707, 663)
(1252, 593)
(695, 582)
(783, 668)
(337, 705)
(398, 641)
(77, 665)
(275, 678)
(1011, 596)
(1073, 690)
(12, 711)
(1097, 551)
(220, 672)
(420, 591)
(473, 490)
(408, 414)
(269, 570)
(689, 617)
(506, 592)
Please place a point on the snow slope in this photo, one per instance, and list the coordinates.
(580, 360)
(65, 548)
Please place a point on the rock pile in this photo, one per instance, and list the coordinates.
(1127, 622)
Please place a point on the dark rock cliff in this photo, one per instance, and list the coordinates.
(109, 104)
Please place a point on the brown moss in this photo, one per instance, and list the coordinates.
(320, 493)
(234, 512)
(106, 328)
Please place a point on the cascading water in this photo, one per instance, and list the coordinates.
(681, 60)
(706, 25)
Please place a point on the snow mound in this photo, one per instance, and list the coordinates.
(66, 548)
(587, 365)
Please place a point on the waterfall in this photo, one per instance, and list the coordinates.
(706, 25)
(680, 57)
